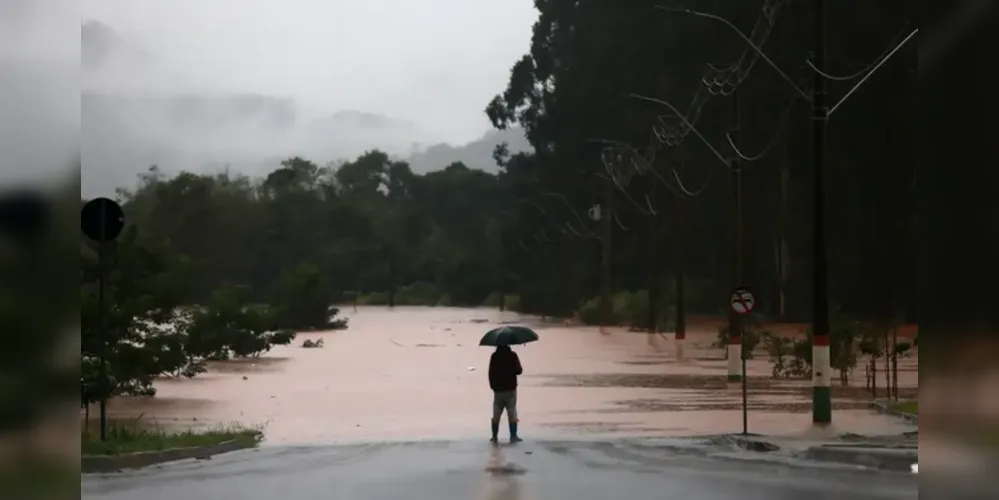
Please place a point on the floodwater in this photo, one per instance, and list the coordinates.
(418, 373)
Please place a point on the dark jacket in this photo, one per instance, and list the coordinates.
(504, 366)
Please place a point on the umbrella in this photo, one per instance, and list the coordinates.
(508, 335)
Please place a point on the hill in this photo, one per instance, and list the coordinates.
(476, 154)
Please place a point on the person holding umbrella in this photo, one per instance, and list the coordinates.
(504, 367)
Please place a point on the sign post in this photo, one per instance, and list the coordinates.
(102, 220)
(742, 303)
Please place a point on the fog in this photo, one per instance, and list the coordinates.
(39, 99)
(197, 85)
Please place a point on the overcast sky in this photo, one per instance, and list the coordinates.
(433, 62)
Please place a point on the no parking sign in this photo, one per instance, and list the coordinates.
(742, 301)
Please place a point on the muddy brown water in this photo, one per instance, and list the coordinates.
(418, 373)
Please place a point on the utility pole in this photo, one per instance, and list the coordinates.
(735, 354)
(681, 306)
(737, 324)
(653, 276)
(821, 366)
(607, 215)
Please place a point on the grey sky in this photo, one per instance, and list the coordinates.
(432, 62)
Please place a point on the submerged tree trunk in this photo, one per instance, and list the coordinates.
(887, 352)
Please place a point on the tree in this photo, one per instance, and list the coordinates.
(230, 327)
(135, 336)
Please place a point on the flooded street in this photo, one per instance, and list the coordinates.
(418, 373)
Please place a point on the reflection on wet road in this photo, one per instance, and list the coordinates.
(474, 470)
(417, 373)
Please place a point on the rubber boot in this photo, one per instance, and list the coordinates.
(514, 438)
(495, 428)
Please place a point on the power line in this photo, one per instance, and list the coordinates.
(723, 81)
(895, 43)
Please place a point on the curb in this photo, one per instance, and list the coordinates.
(886, 409)
(891, 459)
(115, 463)
(752, 442)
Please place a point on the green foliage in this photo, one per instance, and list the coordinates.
(793, 357)
(373, 299)
(230, 327)
(419, 294)
(130, 437)
(137, 339)
(752, 334)
(629, 309)
(511, 302)
(304, 299)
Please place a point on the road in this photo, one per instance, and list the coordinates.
(465, 469)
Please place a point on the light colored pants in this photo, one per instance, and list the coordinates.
(506, 400)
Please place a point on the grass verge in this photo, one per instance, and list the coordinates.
(132, 438)
(910, 407)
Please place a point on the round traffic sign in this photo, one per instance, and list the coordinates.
(742, 301)
(102, 219)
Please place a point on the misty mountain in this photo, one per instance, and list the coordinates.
(476, 154)
(124, 134)
(100, 45)
(128, 127)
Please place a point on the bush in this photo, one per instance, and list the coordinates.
(511, 301)
(373, 299)
(752, 334)
(629, 309)
(793, 358)
(417, 294)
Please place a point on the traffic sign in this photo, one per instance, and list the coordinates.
(102, 219)
(742, 301)
(595, 212)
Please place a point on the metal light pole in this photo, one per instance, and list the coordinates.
(101, 276)
(737, 335)
(681, 306)
(821, 366)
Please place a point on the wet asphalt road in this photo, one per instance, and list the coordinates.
(460, 470)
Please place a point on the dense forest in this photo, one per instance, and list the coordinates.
(620, 196)
(672, 187)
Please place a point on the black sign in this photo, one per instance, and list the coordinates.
(102, 219)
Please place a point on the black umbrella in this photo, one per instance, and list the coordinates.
(508, 335)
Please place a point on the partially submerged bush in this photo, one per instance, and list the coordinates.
(312, 344)
(630, 309)
(752, 333)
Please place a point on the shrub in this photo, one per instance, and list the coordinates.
(629, 309)
(418, 294)
(844, 334)
(373, 299)
(511, 301)
(752, 334)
